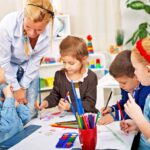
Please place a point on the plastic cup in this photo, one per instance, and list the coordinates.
(88, 138)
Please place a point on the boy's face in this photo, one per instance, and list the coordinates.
(128, 84)
(2, 77)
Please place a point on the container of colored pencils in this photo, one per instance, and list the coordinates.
(87, 131)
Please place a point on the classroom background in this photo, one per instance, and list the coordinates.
(106, 25)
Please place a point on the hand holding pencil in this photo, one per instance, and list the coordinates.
(63, 105)
(106, 109)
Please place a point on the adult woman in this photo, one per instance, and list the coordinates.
(25, 39)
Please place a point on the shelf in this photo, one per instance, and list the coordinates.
(96, 54)
(97, 69)
(46, 88)
(52, 64)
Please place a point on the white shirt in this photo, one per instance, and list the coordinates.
(12, 52)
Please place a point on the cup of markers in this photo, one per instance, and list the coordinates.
(87, 131)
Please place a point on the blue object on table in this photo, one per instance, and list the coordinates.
(77, 100)
(67, 140)
(19, 137)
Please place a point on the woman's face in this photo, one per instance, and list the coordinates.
(33, 29)
(141, 71)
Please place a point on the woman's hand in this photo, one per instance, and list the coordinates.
(63, 105)
(20, 96)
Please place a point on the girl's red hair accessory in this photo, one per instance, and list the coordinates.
(142, 50)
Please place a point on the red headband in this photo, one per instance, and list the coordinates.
(142, 50)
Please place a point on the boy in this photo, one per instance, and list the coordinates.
(12, 115)
(122, 70)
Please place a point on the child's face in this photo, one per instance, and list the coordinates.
(2, 77)
(128, 84)
(71, 64)
(141, 71)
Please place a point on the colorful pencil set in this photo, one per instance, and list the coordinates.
(67, 140)
(66, 124)
(85, 121)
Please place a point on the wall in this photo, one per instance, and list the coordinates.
(100, 18)
(8, 6)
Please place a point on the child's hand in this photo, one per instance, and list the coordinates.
(42, 106)
(105, 111)
(132, 109)
(8, 91)
(16, 104)
(128, 126)
(63, 105)
(105, 120)
(20, 96)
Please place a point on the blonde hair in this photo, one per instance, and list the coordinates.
(38, 11)
(73, 46)
(146, 46)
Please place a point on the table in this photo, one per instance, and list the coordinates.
(47, 137)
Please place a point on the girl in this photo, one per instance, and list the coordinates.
(24, 40)
(74, 54)
(12, 115)
(140, 58)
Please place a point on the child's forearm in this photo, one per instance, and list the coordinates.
(143, 125)
(23, 113)
(8, 115)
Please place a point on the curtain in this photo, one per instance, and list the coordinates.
(100, 18)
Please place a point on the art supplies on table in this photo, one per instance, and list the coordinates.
(19, 136)
(78, 101)
(67, 140)
(67, 124)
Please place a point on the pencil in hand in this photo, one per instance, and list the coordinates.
(108, 100)
(121, 113)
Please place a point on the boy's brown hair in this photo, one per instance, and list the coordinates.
(73, 46)
(122, 66)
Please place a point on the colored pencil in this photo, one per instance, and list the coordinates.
(119, 107)
(63, 126)
(108, 100)
(97, 116)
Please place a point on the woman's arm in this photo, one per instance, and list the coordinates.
(5, 54)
